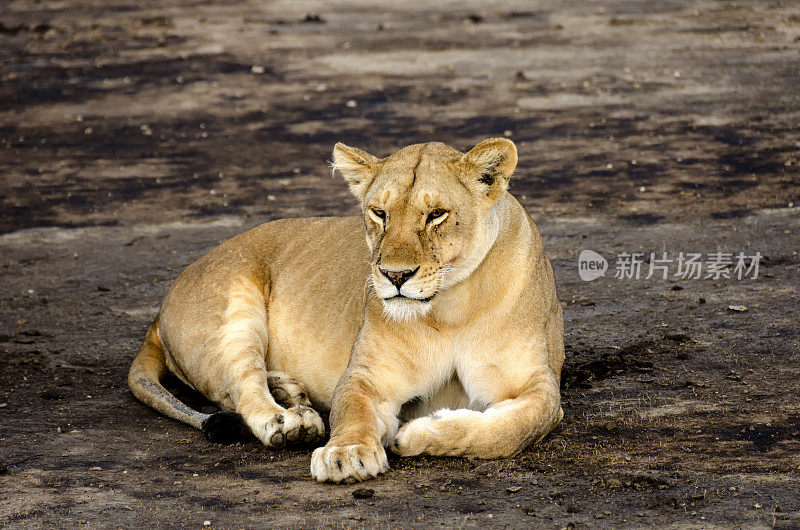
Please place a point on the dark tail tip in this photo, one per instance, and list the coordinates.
(225, 427)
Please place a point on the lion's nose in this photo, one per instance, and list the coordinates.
(398, 278)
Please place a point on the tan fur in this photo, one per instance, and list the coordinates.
(473, 347)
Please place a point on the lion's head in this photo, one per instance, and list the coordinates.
(428, 215)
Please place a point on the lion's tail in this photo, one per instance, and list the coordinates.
(144, 379)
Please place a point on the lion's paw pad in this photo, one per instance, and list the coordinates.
(295, 425)
(286, 391)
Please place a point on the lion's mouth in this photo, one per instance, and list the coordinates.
(403, 297)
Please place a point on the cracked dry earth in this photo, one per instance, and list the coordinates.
(134, 136)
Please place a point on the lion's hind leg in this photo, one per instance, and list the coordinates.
(272, 423)
(241, 362)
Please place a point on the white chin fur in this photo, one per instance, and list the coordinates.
(404, 310)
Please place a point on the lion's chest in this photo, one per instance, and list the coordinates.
(488, 369)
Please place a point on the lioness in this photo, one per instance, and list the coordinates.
(447, 319)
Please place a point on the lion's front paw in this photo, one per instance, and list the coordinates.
(348, 463)
(411, 439)
(294, 425)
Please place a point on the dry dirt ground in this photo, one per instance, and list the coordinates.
(137, 134)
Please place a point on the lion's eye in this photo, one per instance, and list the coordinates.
(378, 214)
(436, 216)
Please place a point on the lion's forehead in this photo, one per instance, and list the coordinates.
(411, 155)
(426, 166)
(396, 194)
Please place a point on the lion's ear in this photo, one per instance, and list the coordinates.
(356, 166)
(490, 165)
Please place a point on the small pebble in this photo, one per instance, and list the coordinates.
(206, 523)
(363, 493)
(352, 103)
(256, 69)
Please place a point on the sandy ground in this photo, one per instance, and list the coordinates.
(137, 135)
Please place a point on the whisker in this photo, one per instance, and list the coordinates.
(369, 285)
